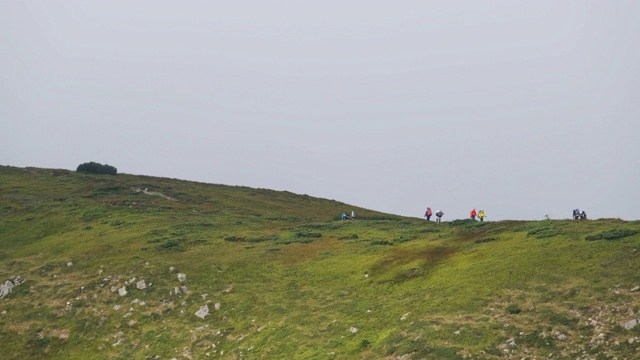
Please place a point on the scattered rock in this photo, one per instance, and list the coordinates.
(216, 306)
(204, 296)
(353, 330)
(182, 277)
(562, 337)
(116, 307)
(185, 289)
(122, 291)
(636, 288)
(203, 312)
(172, 269)
(628, 325)
(69, 263)
(141, 284)
(6, 288)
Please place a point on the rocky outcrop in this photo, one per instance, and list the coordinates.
(7, 287)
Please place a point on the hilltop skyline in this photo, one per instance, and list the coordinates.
(522, 109)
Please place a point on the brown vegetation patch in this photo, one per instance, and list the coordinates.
(401, 256)
(296, 253)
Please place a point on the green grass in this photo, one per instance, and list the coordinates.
(292, 279)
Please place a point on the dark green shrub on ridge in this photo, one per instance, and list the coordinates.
(97, 168)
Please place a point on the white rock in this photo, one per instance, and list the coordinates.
(353, 330)
(216, 306)
(630, 324)
(204, 296)
(182, 277)
(122, 291)
(636, 288)
(5, 288)
(203, 312)
(116, 307)
(172, 269)
(69, 263)
(562, 337)
(141, 284)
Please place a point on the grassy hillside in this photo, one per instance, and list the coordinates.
(284, 278)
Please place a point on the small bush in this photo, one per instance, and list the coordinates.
(349, 237)
(381, 242)
(308, 235)
(514, 309)
(235, 238)
(96, 168)
(543, 233)
(485, 240)
(171, 245)
(613, 234)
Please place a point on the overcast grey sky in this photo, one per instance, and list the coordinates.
(521, 108)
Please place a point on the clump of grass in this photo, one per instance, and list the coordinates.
(171, 244)
(381, 242)
(348, 237)
(485, 240)
(612, 234)
(543, 233)
(235, 238)
(514, 309)
(308, 235)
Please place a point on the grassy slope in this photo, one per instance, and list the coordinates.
(292, 280)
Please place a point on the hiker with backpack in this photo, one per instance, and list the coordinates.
(473, 214)
(481, 215)
(428, 213)
(439, 216)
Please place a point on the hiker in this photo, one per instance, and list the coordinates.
(576, 214)
(481, 215)
(473, 214)
(428, 214)
(439, 216)
(354, 215)
(583, 215)
(345, 216)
